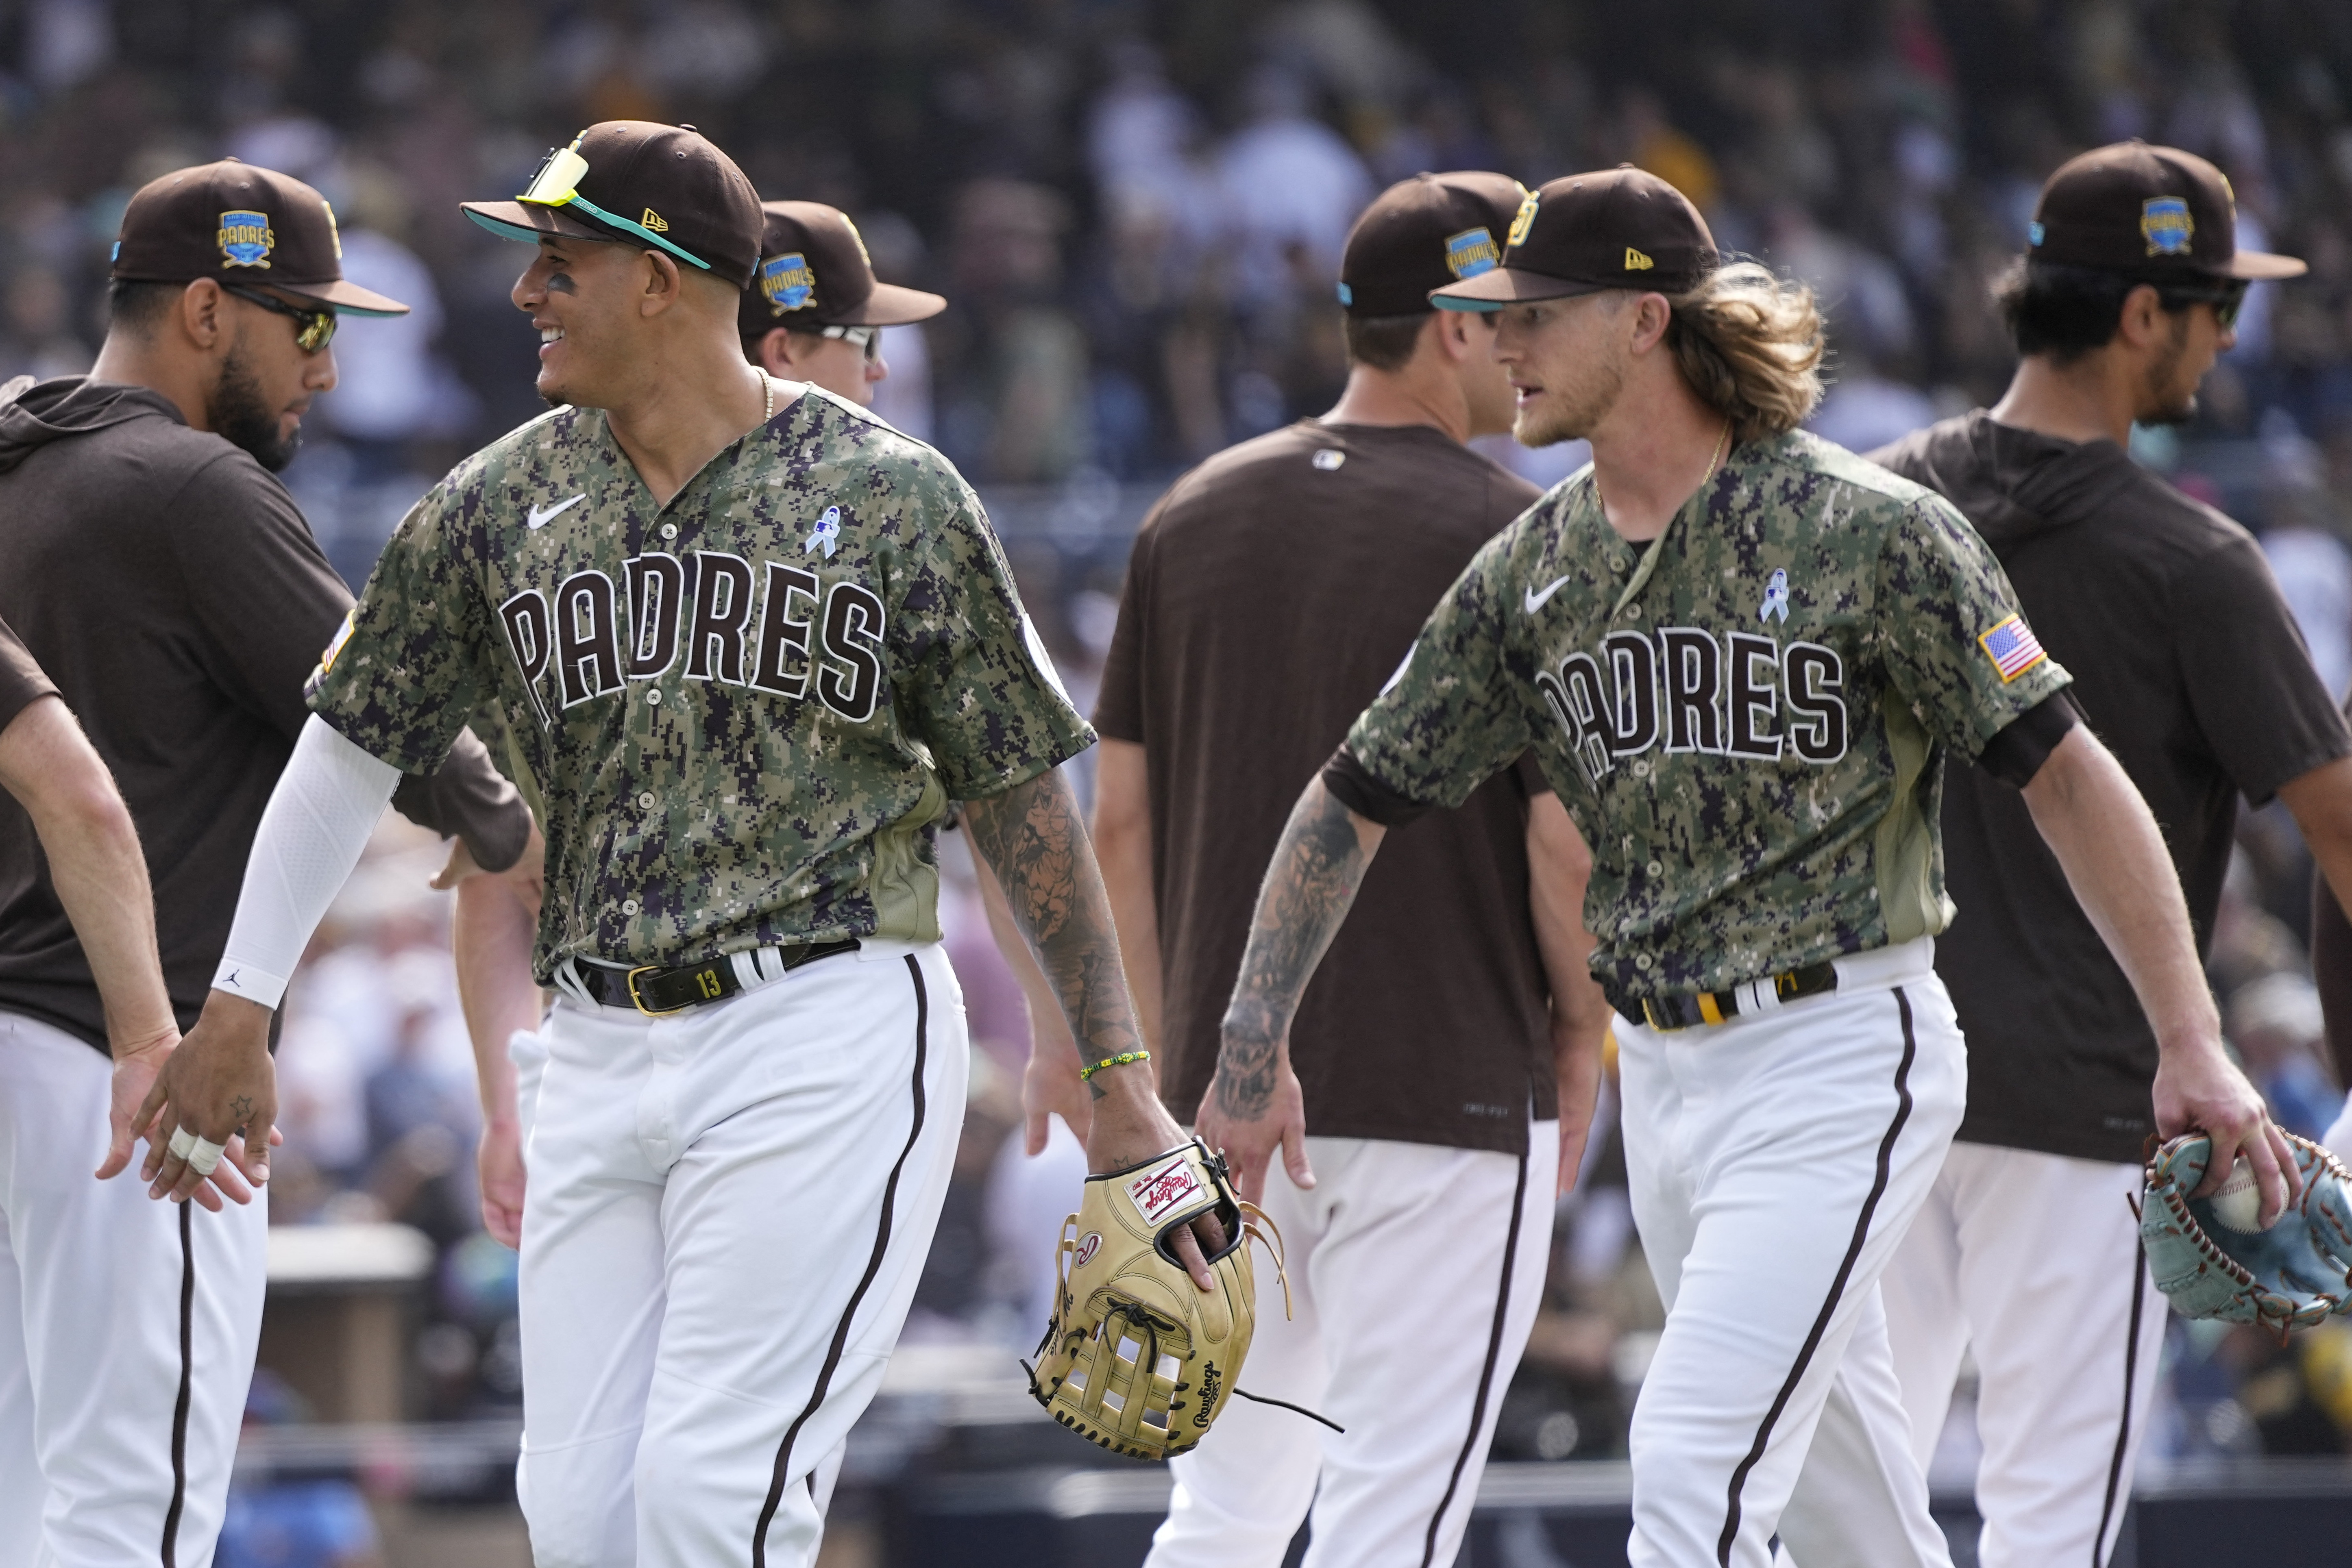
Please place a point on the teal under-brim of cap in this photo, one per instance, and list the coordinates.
(1474, 307)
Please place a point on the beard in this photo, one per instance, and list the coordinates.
(1571, 412)
(240, 415)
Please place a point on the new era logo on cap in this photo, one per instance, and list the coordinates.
(1637, 262)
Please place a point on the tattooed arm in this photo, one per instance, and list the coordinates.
(1254, 1103)
(1031, 838)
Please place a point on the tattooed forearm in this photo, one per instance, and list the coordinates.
(1031, 838)
(1308, 887)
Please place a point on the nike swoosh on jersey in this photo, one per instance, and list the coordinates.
(541, 515)
(1536, 601)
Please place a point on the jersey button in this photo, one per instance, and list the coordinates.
(628, 906)
(645, 802)
(652, 695)
(670, 530)
(1641, 961)
(1655, 869)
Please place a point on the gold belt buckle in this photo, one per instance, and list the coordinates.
(638, 1002)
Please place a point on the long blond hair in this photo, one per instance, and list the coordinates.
(1749, 344)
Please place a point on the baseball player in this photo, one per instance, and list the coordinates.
(1450, 1047)
(814, 311)
(1739, 653)
(751, 642)
(173, 595)
(2187, 662)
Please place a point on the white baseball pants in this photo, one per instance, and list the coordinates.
(1415, 1273)
(126, 1331)
(727, 1213)
(1774, 1162)
(2034, 1259)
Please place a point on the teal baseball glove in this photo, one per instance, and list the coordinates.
(2295, 1274)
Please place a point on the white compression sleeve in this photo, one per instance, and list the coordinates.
(326, 804)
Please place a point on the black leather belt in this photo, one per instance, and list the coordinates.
(1688, 1011)
(654, 990)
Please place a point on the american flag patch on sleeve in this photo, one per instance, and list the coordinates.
(2013, 648)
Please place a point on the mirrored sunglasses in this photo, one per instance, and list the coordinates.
(316, 329)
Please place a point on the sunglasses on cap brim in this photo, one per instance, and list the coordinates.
(316, 327)
(557, 185)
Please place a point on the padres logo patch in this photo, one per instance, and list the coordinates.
(246, 239)
(2165, 224)
(2013, 648)
(1522, 220)
(1472, 252)
(786, 282)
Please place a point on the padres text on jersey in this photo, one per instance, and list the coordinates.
(1746, 715)
(743, 710)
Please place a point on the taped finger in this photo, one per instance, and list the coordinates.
(184, 1139)
(204, 1154)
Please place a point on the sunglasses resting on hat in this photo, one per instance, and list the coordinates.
(557, 185)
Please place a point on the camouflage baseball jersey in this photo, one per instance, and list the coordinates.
(1745, 716)
(743, 710)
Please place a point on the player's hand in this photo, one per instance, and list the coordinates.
(135, 1067)
(1129, 1126)
(1050, 1086)
(2198, 1088)
(498, 1162)
(218, 1084)
(528, 874)
(1248, 1141)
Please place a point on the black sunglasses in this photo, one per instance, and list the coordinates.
(317, 328)
(2227, 300)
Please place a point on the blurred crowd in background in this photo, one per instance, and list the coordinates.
(1135, 210)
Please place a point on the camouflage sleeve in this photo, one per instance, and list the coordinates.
(973, 683)
(402, 675)
(1454, 714)
(1956, 644)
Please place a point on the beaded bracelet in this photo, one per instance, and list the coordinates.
(1121, 1060)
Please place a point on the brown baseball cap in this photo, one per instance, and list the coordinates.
(1424, 233)
(814, 272)
(235, 223)
(659, 187)
(1618, 228)
(2156, 210)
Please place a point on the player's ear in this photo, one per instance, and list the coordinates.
(200, 313)
(1651, 316)
(662, 284)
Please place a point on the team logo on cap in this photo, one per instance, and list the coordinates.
(246, 238)
(1472, 252)
(1523, 219)
(787, 282)
(2164, 222)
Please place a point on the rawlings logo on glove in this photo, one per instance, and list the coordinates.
(1137, 1358)
(2297, 1273)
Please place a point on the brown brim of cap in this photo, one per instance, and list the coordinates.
(1507, 286)
(526, 220)
(2256, 265)
(891, 306)
(347, 299)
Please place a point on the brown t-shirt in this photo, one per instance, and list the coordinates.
(173, 593)
(1271, 592)
(2187, 665)
(21, 681)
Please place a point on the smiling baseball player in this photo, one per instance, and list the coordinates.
(750, 641)
(1737, 653)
